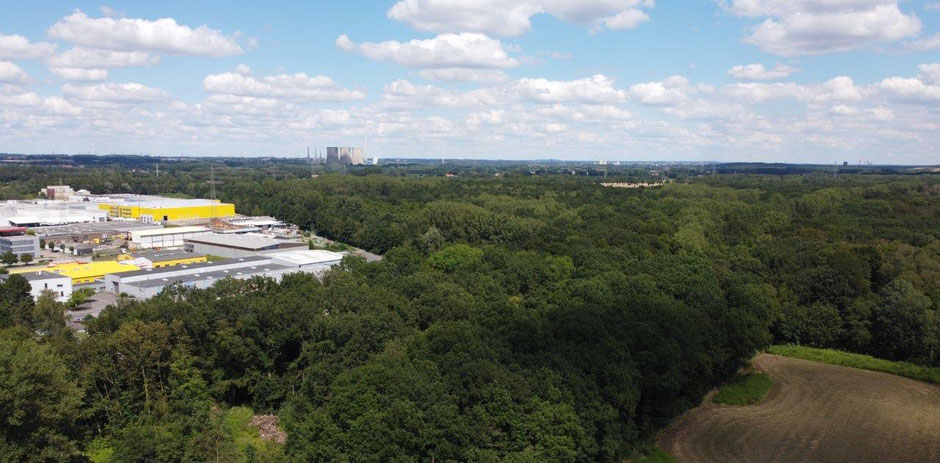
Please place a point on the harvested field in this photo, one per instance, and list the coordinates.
(815, 413)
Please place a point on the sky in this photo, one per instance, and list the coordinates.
(802, 81)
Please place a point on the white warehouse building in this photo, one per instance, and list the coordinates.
(60, 285)
(165, 237)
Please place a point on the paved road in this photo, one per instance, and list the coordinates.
(92, 307)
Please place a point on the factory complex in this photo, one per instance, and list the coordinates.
(137, 245)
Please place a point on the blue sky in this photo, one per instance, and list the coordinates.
(763, 80)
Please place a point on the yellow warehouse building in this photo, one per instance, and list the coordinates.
(170, 209)
(81, 272)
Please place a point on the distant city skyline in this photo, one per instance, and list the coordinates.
(796, 81)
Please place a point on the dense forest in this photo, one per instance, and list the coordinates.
(519, 314)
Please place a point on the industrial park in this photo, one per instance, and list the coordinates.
(131, 245)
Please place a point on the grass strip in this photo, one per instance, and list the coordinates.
(747, 389)
(865, 362)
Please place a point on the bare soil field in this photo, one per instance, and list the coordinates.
(815, 413)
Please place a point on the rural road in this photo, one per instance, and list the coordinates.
(815, 413)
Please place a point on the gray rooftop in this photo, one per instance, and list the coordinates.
(211, 275)
(235, 241)
(176, 268)
(37, 276)
(94, 227)
(162, 256)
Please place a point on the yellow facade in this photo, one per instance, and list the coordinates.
(87, 272)
(170, 213)
(186, 261)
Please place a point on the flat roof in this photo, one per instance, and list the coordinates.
(93, 227)
(305, 256)
(43, 275)
(207, 265)
(248, 242)
(211, 275)
(162, 256)
(168, 231)
(19, 238)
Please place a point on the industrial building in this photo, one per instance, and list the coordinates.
(234, 245)
(60, 285)
(145, 284)
(344, 155)
(38, 213)
(18, 244)
(81, 272)
(94, 232)
(159, 209)
(307, 260)
(169, 258)
(165, 237)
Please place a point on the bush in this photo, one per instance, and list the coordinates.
(747, 389)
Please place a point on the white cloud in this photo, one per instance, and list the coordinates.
(595, 89)
(116, 93)
(626, 19)
(926, 44)
(759, 72)
(930, 73)
(512, 17)
(811, 27)
(464, 50)
(402, 95)
(243, 69)
(94, 58)
(80, 74)
(12, 74)
(19, 47)
(287, 86)
(669, 91)
(910, 89)
(161, 35)
(464, 75)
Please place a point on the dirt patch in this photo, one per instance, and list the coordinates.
(268, 428)
(815, 413)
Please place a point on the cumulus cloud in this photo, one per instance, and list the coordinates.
(128, 34)
(19, 47)
(812, 27)
(513, 18)
(12, 74)
(81, 74)
(284, 86)
(112, 92)
(80, 63)
(464, 50)
(464, 75)
(910, 89)
(669, 91)
(595, 89)
(759, 72)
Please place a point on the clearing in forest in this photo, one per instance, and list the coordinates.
(815, 412)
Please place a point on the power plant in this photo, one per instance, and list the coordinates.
(344, 155)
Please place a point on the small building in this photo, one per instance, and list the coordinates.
(60, 285)
(235, 245)
(168, 258)
(20, 245)
(165, 237)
